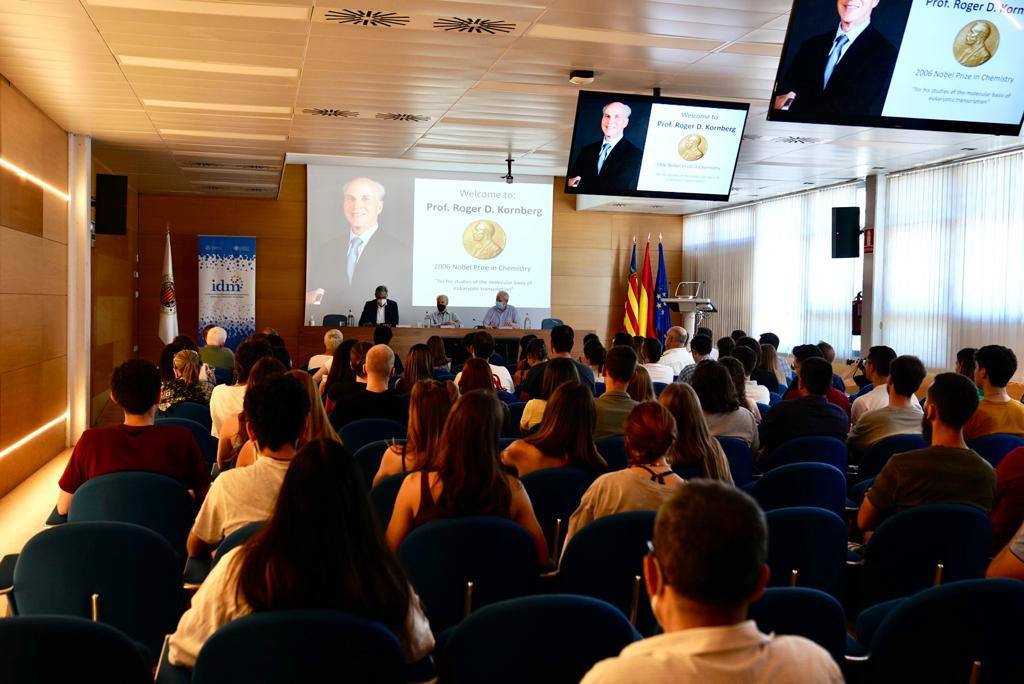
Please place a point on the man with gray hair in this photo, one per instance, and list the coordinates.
(502, 315)
(332, 340)
(676, 356)
(373, 399)
(611, 164)
(215, 353)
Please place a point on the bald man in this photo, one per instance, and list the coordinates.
(375, 399)
(608, 165)
(676, 355)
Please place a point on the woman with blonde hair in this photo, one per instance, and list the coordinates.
(695, 452)
(317, 424)
(187, 384)
(640, 388)
(430, 402)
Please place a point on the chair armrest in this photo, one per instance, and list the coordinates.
(56, 518)
(7, 564)
(167, 673)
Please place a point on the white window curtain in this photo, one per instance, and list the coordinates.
(768, 267)
(952, 259)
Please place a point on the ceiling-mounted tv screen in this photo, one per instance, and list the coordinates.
(941, 65)
(647, 146)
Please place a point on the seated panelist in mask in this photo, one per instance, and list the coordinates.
(443, 318)
(502, 315)
(380, 309)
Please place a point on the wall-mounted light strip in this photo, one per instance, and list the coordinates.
(35, 433)
(22, 173)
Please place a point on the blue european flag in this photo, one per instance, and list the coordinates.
(662, 318)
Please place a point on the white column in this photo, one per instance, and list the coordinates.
(79, 286)
(874, 218)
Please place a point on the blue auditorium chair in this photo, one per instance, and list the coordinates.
(516, 410)
(659, 387)
(774, 398)
(810, 449)
(613, 450)
(196, 569)
(740, 458)
(207, 443)
(335, 321)
(802, 484)
(806, 548)
(879, 453)
(223, 376)
(993, 448)
(199, 413)
(555, 494)
(359, 433)
(383, 496)
(369, 456)
(805, 612)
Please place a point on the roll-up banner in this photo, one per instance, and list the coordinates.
(227, 285)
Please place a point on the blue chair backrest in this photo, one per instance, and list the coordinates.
(802, 484)
(555, 494)
(938, 634)
(811, 449)
(806, 548)
(549, 323)
(599, 389)
(558, 639)
(658, 387)
(235, 539)
(516, 410)
(902, 555)
(613, 450)
(443, 375)
(359, 433)
(604, 558)
(335, 320)
(49, 649)
(136, 574)
(300, 646)
(440, 558)
(763, 409)
(774, 398)
(509, 398)
(879, 453)
(504, 442)
(154, 501)
(804, 612)
(206, 442)
(369, 456)
(993, 448)
(741, 459)
(223, 376)
(199, 413)
(382, 498)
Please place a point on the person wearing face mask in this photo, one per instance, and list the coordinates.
(705, 568)
(380, 309)
(443, 318)
(502, 315)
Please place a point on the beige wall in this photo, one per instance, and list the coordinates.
(33, 287)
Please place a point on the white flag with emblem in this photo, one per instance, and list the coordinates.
(168, 305)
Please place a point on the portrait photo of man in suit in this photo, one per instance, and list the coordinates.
(610, 165)
(843, 73)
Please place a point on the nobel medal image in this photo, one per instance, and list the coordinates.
(483, 239)
(976, 43)
(693, 147)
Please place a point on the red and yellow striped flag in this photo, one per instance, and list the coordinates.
(631, 318)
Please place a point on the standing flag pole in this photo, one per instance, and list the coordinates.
(646, 299)
(632, 316)
(168, 329)
(662, 318)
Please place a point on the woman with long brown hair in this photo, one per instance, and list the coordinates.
(557, 372)
(694, 448)
(417, 367)
(530, 354)
(768, 372)
(469, 479)
(725, 415)
(347, 382)
(565, 437)
(739, 381)
(439, 360)
(430, 402)
(640, 388)
(320, 549)
(340, 370)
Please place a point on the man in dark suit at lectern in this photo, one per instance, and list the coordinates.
(612, 164)
(380, 309)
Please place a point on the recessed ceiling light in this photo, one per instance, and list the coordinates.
(968, 149)
(222, 134)
(218, 107)
(878, 168)
(209, 67)
(226, 9)
(226, 155)
(581, 77)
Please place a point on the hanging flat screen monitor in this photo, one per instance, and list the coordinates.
(940, 65)
(645, 146)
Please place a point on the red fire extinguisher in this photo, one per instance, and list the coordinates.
(858, 308)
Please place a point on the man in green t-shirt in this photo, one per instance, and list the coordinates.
(215, 353)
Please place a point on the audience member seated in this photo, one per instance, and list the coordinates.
(694, 446)
(717, 393)
(417, 367)
(439, 360)
(708, 333)
(810, 413)
(182, 343)
(901, 415)
(651, 354)
(383, 334)
(562, 339)
(186, 385)
(1008, 513)
(430, 402)
(556, 373)
(276, 410)
(640, 388)
(482, 347)
(594, 355)
(280, 350)
(768, 372)
(476, 375)
(332, 340)
(945, 472)
(342, 360)
(700, 347)
(739, 382)
(469, 479)
(965, 364)
(997, 413)
(646, 482)
(878, 368)
(725, 347)
(737, 335)
(614, 405)
(226, 400)
(747, 357)
(565, 437)
(622, 339)
(705, 568)
(1010, 561)
(318, 426)
(345, 381)
(373, 399)
(214, 352)
(234, 447)
(288, 566)
(828, 353)
(783, 359)
(522, 362)
(136, 444)
(801, 354)
(676, 356)
(535, 353)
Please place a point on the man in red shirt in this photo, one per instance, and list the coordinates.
(137, 444)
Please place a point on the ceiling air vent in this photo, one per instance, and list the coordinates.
(467, 25)
(377, 18)
(391, 116)
(794, 140)
(321, 111)
(242, 166)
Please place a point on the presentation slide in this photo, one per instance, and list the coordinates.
(422, 234)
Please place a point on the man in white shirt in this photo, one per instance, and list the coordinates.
(483, 348)
(276, 410)
(901, 415)
(676, 356)
(332, 340)
(226, 400)
(705, 568)
(651, 351)
(877, 370)
(746, 356)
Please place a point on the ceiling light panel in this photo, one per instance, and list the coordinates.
(229, 135)
(218, 107)
(207, 67)
(226, 9)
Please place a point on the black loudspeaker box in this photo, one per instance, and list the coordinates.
(845, 232)
(111, 204)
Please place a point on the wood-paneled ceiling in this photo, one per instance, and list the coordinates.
(207, 96)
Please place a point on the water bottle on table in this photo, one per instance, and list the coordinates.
(526, 322)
